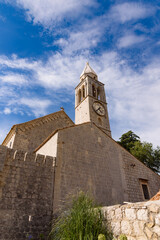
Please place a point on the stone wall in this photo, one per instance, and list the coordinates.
(29, 135)
(89, 160)
(138, 221)
(26, 194)
(133, 170)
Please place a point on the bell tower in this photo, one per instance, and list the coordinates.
(90, 101)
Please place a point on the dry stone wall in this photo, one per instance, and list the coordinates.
(138, 221)
(26, 194)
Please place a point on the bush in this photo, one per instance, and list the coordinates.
(82, 221)
(122, 237)
(101, 237)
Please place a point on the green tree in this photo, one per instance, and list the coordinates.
(143, 151)
(82, 221)
(146, 154)
(127, 140)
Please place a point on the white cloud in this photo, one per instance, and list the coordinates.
(48, 11)
(130, 11)
(133, 97)
(85, 37)
(13, 78)
(7, 110)
(38, 106)
(129, 40)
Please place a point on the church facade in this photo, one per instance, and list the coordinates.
(47, 159)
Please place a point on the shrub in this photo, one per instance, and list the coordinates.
(122, 237)
(82, 221)
(101, 237)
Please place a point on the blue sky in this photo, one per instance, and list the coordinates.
(44, 46)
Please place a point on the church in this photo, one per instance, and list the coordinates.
(45, 160)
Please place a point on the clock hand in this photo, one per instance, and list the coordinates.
(97, 109)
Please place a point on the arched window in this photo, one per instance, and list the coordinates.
(83, 91)
(100, 121)
(79, 96)
(98, 94)
(93, 91)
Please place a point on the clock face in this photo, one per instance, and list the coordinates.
(98, 108)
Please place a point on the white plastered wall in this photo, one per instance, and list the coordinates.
(50, 147)
(11, 141)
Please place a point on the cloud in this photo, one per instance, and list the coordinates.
(133, 97)
(7, 110)
(55, 73)
(130, 11)
(38, 106)
(48, 12)
(130, 40)
(85, 37)
(13, 78)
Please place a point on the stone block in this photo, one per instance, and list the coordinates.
(118, 214)
(40, 159)
(142, 238)
(153, 207)
(157, 219)
(131, 238)
(130, 214)
(156, 229)
(126, 227)
(30, 157)
(150, 224)
(142, 214)
(138, 227)
(148, 232)
(116, 228)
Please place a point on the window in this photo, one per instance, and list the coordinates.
(98, 93)
(145, 190)
(79, 96)
(83, 91)
(93, 91)
(100, 121)
(10, 144)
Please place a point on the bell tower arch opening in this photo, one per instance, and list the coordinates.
(93, 91)
(98, 94)
(83, 91)
(79, 96)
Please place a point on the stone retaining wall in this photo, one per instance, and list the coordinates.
(138, 221)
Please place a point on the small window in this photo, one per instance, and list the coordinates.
(83, 90)
(100, 121)
(93, 91)
(79, 96)
(98, 93)
(10, 144)
(145, 190)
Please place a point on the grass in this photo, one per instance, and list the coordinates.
(82, 221)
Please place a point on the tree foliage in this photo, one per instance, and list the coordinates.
(127, 140)
(144, 151)
(82, 221)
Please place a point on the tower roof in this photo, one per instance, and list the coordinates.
(88, 71)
